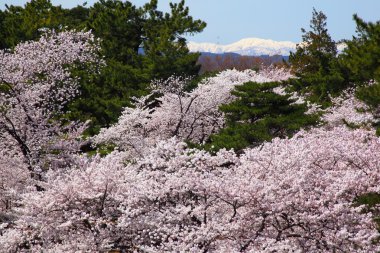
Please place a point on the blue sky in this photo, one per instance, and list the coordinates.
(231, 20)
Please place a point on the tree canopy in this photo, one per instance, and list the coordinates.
(259, 114)
(138, 44)
(315, 61)
(361, 58)
(151, 183)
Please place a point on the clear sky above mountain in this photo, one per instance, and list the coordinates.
(231, 20)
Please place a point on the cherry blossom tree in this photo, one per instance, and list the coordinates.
(35, 85)
(77, 210)
(347, 109)
(192, 116)
(294, 194)
(155, 194)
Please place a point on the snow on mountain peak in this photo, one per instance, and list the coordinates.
(248, 46)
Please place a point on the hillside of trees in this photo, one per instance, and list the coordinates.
(210, 62)
(107, 149)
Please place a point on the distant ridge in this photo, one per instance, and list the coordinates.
(249, 46)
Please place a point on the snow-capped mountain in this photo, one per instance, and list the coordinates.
(250, 46)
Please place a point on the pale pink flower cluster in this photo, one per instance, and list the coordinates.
(36, 84)
(288, 195)
(14, 175)
(347, 109)
(190, 115)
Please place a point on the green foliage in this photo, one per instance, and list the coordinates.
(11, 32)
(75, 18)
(39, 14)
(104, 95)
(317, 49)
(259, 115)
(146, 37)
(120, 25)
(319, 86)
(371, 199)
(362, 54)
(315, 62)
(164, 43)
(370, 94)
(2, 29)
(24, 23)
(361, 58)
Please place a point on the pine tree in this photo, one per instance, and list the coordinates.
(361, 58)
(316, 50)
(259, 114)
(315, 61)
(165, 45)
(362, 54)
(20, 24)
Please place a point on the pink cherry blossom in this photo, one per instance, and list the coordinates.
(36, 84)
(154, 193)
(190, 115)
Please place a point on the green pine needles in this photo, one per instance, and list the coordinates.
(259, 114)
